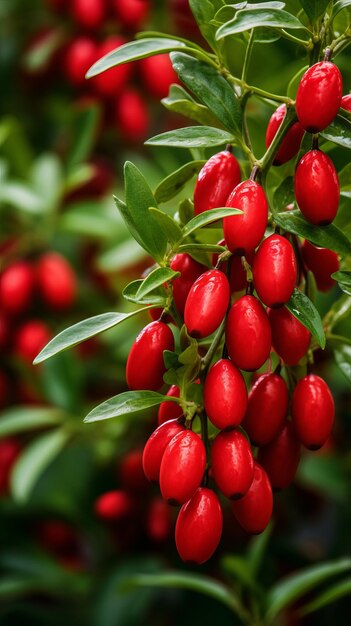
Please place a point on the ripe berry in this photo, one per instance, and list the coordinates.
(243, 233)
(88, 14)
(318, 97)
(80, 56)
(56, 281)
(290, 338)
(317, 189)
(189, 270)
(155, 447)
(322, 263)
(145, 365)
(281, 458)
(248, 334)
(16, 288)
(312, 411)
(267, 408)
(225, 395)
(182, 467)
(215, 181)
(292, 140)
(159, 521)
(130, 472)
(111, 82)
(199, 527)
(254, 510)
(157, 74)
(346, 102)
(30, 339)
(9, 452)
(274, 270)
(232, 463)
(132, 116)
(207, 303)
(170, 410)
(113, 506)
(131, 13)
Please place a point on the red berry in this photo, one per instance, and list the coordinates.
(248, 334)
(225, 395)
(157, 74)
(182, 467)
(145, 365)
(232, 463)
(317, 188)
(155, 447)
(80, 56)
(31, 338)
(281, 458)
(322, 263)
(267, 408)
(132, 116)
(274, 270)
(292, 140)
(88, 14)
(113, 506)
(16, 288)
(131, 13)
(159, 521)
(170, 410)
(254, 510)
(318, 97)
(111, 82)
(189, 270)
(312, 411)
(57, 282)
(243, 233)
(346, 102)
(9, 452)
(215, 181)
(199, 527)
(290, 338)
(207, 303)
(131, 473)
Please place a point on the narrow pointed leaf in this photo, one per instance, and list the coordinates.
(305, 311)
(192, 137)
(207, 217)
(20, 419)
(248, 19)
(157, 298)
(314, 8)
(170, 227)
(333, 593)
(129, 403)
(155, 279)
(344, 280)
(169, 187)
(324, 236)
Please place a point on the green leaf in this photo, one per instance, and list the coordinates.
(326, 474)
(141, 224)
(190, 109)
(158, 298)
(325, 236)
(344, 280)
(294, 82)
(305, 311)
(339, 311)
(155, 279)
(343, 359)
(132, 51)
(248, 19)
(170, 186)
(207, 217)
(21, 197)
(83, 134)
(192, 137)
(295, 586)
(19, 419)
(236, 568)
(257, 550)
(333, 593)
(128, 403)
(341, 4)
(314, 8)
(339, 132)
(170, 227)
(81, 331)
(202, 247)
(284, 194)
(211, 88)
(33, 462)
(204, 12)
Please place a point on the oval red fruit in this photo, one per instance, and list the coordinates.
(57, 282)
(88, 14)
(232, 463)
(215, 181)
(243, 233)
(16, 288)
(312, 411)
(322, 263)
(267, 408)
(30, 339)
(111, 82)
(346, 102)
(132, 115)
(207, 303)
(292, 140)
(145, 365)
(274, 270)
(254, 510)
(182, 467)
(80, 56)
(130, 472)
(281, 458)
(290, 338)
(170, 410)
(189, 270)
(157, 74)
(155, 447)
(317, 189)
(318, 97)
(225, 395)
(131, 13)
(199, 527)
(113, 506)
(248, 334)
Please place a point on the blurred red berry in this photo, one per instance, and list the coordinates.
(132, 115)
(158, 74)
(16, 288)
(110, 83)
(30, 339)
(132, 14)
(80, 55)
(113, 506)
(56, 280)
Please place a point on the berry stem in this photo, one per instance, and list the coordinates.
(206, 360)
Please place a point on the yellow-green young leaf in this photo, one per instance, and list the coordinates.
(155, 279)
(305, 311)
(170, 186)
(19, 419)
(157, 298)
(128, 404)
(207, 217)
(324, 236)
(339, 131)
(247, 19)
(192, 137)
(170, 227)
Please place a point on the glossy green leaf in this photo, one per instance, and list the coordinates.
(170, 186)
(284, 194)
(33, 462)
(141, 224)
(211, 88)
(158, 298)
(314, 8)
(81, 331)
(192, 110)
(305, 311)
(129, 403)
(19, 419)
(207, 217)
(339, 132)
(155, 279)
(169, 226)
(332, 594)
(204, 11)
(339, 5)
(248, 19)
(293, 587)
(192, 137)
(132, 51)
(343, 359)
(323, 236)
(344, 280)
(202, 247)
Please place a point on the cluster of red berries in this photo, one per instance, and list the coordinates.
(268, 265)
